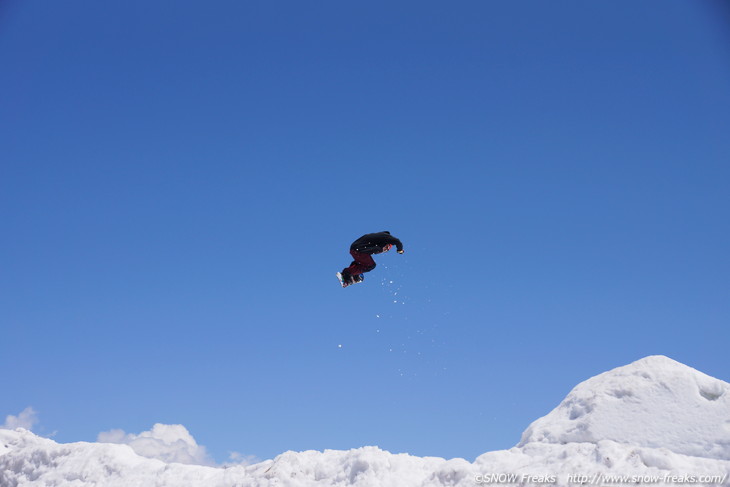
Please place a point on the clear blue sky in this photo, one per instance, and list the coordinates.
(179, 182)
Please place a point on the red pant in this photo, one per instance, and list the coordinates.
(362, 263)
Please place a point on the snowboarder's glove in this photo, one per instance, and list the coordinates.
(401, 251)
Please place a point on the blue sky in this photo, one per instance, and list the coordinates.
(180, 181)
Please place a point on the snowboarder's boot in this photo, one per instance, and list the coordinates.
(347, 278)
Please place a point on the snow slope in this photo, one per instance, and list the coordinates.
(654, 421)
(655, 402)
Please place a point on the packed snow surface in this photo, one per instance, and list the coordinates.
(655, 402)
(654, 422)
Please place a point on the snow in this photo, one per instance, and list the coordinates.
(655, 402)
(654, 421)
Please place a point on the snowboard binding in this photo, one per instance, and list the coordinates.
(349, 280)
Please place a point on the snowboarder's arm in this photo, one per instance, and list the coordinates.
(398, 245)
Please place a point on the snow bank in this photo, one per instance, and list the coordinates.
(654, 402)
(654, 422)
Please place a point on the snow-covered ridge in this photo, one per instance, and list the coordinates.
(654, 421)
(654, 402)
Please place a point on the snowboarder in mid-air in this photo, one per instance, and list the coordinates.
(362, 251)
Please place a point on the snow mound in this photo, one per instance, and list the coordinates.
(654, 421)
(654, 402)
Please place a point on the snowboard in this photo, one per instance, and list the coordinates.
(358, 278)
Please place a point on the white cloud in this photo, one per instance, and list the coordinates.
(26, 419)
(236, 458)
(171, 443)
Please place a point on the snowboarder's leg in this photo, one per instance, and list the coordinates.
(363, 263)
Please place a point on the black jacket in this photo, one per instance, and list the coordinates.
(373, 243)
